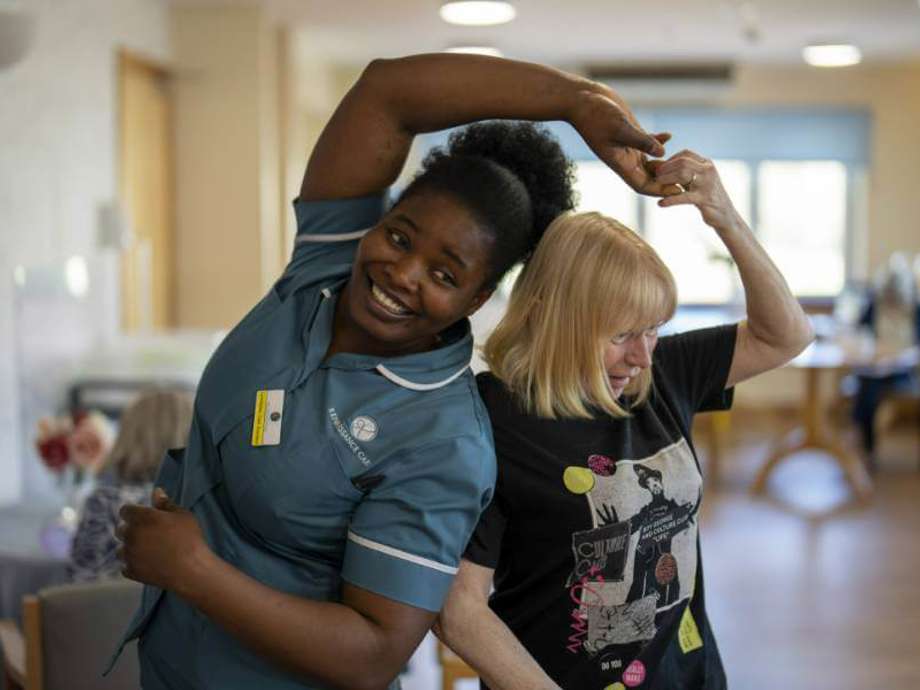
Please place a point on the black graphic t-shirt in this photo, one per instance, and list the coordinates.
(593, 530)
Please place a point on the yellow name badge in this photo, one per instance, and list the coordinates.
(266, 420)
(688, 634)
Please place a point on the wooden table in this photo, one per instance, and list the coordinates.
(840, 353)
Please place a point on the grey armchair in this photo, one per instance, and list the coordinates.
(69, 633)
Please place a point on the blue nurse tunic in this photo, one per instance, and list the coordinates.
(381, 471)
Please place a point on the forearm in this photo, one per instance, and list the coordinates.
(365, 144)
(310, 638)
(435, 91)
(774, 315)
(469, 627)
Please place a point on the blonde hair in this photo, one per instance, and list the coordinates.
(153, 423)
(589, 279)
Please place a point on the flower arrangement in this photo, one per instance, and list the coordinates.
(79, 441)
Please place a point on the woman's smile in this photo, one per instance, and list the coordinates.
(388, 302)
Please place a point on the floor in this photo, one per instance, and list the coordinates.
(806, 590)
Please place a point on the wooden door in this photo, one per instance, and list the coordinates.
(146, 190)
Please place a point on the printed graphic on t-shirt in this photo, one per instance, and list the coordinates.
(639, 558)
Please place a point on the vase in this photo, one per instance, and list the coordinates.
(58, 531)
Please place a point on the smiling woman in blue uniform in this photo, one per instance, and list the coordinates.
(340, 455)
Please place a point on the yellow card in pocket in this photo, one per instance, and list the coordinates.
(266, 420)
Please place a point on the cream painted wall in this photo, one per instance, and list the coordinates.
(57, 163)
(227, 182)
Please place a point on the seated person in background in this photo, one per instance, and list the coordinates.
(153, 423)
(892, 312)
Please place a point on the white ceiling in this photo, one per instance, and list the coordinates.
(598, 31)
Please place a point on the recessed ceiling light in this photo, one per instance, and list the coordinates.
(832, 55)
(475, 50)
(477, 12)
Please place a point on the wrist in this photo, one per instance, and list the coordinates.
(197, 568)
(734, 224)
(583, 98)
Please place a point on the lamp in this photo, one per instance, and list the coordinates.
(475, 50)
(831, 55)
(477, 12)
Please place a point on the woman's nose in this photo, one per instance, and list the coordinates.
(639, 353)
(406, 272)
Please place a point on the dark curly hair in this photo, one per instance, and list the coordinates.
(512, 176)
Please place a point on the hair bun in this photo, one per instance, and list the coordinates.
(532, 154)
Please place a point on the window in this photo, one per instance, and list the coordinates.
(803, 217)
(789, 173)
(691, 249)
(600, 189)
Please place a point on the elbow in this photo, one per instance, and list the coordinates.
(459, 613)
(374, 76)
(808, 335)
(803, 336)
(800, 336)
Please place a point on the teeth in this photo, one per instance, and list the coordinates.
(384, 299)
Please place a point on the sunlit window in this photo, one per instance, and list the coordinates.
(691, 249)
(600, 189)
(802, 207)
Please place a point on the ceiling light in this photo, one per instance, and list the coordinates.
(475, 50)
(832, 55)
(477, 12)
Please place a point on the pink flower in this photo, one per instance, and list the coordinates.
(90, 440)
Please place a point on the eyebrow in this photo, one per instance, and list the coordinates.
(447, 251)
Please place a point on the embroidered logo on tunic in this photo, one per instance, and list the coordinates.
(364, 428)
(349, 440)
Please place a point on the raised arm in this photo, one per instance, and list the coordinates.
(776, 328)
(364, 146)
(467, 625)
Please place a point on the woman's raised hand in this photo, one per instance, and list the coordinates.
(610, 129)
(700, 185)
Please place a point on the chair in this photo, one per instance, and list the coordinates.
(69, 633)
(453, 668)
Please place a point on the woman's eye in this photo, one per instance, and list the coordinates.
(398, 238)
(620, 338)
(651, 332)
(444, 277)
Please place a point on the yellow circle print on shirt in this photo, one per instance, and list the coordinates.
(578, 480)
(616, 686)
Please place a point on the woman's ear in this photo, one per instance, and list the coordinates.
(481, 298)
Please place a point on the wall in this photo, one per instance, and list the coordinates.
(227, 178)
(58, 157)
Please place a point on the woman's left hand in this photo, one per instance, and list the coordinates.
(161, 545)
(702, 187)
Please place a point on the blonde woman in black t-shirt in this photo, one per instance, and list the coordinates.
(592, 537)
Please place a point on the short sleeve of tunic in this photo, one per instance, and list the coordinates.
(697, 364)
(329, 230)
(407, 535)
